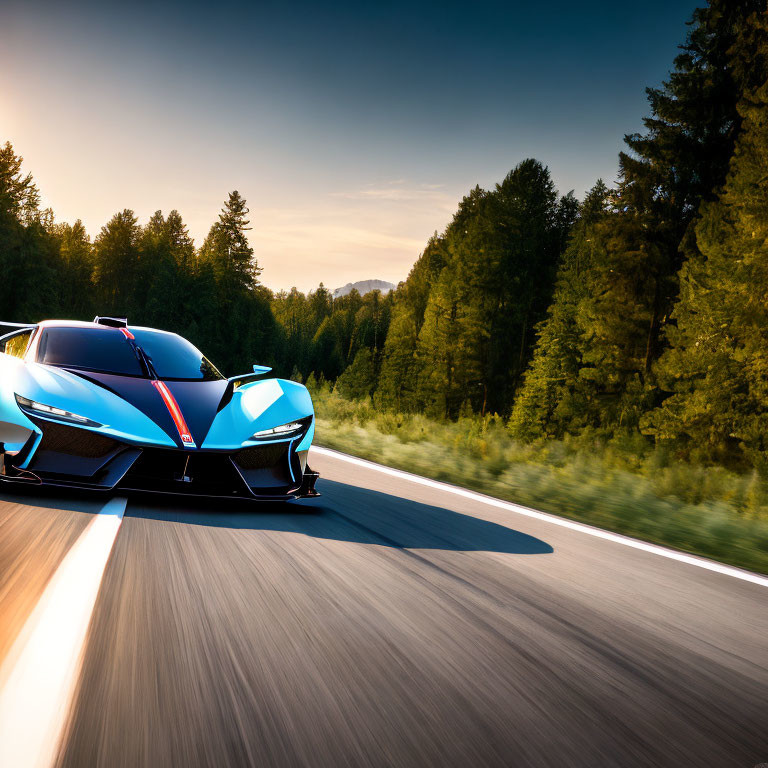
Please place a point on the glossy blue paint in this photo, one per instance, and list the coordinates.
(260, 405)
(15, 427)
(256, 406)
(306, 441)
(62, 389)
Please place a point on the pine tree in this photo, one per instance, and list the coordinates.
(182, 274)
(618, 321)
(320, 305)
(293, 314)
(117, 273)
(19, 195)
(476, 337)
(76, 290)
(19, 200)
(181, 243)
(33, 272)
(167, 262)
(30, 260)
(400, 368)
(328, 346)
(348, 307)
(227, 248)
(202, 320)
(450, 344)
(155, 271)
(683, 156)
(717, 366)
(371, 322)
(549, 403)
(679, 161)
(358, 380)
(239, 328)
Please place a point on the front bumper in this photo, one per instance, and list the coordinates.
(79, 458)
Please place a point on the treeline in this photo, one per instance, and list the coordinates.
(153, 274)
(458, 333)
(323, 335)
(658, 320)
(640, 310)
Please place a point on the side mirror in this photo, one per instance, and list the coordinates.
(249, 378)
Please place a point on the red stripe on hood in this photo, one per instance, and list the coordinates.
(175, 411)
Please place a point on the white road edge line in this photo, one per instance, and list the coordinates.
(699, 562)
(38, 678)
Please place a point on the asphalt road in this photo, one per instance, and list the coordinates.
(390, 624)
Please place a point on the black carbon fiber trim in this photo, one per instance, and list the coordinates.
(189, 472)
(261, 456)
(72, 441)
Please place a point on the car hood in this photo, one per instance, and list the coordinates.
(132, 409)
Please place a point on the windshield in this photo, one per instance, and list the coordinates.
(107, 350)
(95, 349)
(175, 358)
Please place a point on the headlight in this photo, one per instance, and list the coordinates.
(52, 412)
(284, 430)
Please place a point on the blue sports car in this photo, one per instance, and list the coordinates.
(103, 405)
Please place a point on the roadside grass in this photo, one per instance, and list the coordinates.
(622, 485)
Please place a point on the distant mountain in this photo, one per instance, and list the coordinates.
(363, 287)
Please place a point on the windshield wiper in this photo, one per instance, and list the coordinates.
(145, 360)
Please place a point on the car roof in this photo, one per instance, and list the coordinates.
(87, 324)
(66, 324)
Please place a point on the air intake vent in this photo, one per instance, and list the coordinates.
(75, 442)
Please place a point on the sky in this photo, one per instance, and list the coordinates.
(353, 129)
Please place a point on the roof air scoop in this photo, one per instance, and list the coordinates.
(111, 322)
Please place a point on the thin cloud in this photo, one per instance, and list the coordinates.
(398, 191)
(310, 229)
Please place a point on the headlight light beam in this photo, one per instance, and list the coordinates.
(284, 430)
(50, 411)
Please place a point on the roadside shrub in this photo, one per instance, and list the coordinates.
(625, 484)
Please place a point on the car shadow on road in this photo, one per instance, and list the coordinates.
(348, 513)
